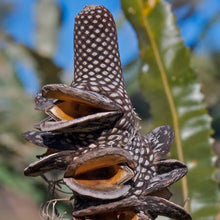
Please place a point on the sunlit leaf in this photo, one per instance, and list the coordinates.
(206, 65)
(130, 76)
(171, 87)
(16, 115)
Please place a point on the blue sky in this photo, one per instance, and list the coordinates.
(191, 28)
(21, 24)
(71, 9)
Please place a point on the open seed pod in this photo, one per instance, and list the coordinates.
(101, 174)
(77, 109)
(152, 202)
(54, 161)
(132, 208)
(168, 172)
(147, 197)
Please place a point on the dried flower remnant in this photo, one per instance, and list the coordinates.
(92, 134)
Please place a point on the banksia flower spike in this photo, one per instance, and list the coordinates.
(92, 134)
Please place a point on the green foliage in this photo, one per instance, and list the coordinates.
(17, 112)
(17, 115)
(173, 91)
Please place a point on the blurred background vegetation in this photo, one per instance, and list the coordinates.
(36, 49)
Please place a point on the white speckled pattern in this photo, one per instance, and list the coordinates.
(97, 70)
(97, 65)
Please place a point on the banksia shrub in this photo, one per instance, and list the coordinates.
(92, 135)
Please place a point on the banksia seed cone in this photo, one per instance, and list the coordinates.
(92, 134)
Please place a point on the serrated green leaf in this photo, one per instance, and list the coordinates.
(171, 87)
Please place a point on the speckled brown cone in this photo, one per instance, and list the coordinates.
(92, 134)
